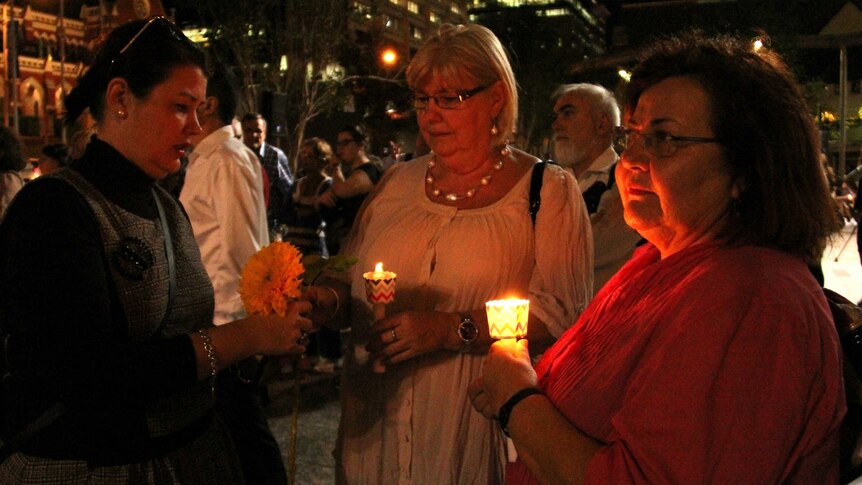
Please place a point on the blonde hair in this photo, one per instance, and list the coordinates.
(473, 50)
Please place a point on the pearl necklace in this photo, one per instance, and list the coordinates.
(452, 196)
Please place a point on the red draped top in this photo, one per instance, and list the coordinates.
(715, 365)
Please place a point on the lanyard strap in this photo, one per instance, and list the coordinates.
(169, 251)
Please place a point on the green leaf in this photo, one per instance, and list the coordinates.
(315, 265)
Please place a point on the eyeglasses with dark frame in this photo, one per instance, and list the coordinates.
(658, 143)
(446, 101)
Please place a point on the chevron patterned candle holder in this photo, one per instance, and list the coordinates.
(380, 291)
(507, 318)
(379, 285)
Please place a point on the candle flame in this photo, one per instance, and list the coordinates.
(378, 268)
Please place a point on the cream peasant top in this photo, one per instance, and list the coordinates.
(414, 423)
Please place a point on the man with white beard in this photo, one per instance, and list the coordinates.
(584, 122)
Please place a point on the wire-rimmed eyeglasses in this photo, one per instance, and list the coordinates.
(446, 101)
(657, 143)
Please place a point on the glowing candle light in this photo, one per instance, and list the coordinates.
(379, 287)
(379, 291)
(507, 318)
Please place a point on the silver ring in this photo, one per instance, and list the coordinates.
(302, 340)
(394, 335)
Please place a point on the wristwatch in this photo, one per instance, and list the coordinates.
(467, 330)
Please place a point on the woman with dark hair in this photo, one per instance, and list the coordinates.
(11, 163)
(118, 366)
(341, 202)
(54, 157)
(711, 357)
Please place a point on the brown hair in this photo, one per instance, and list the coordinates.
(767, 135)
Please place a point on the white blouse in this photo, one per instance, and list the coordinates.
(414, 423)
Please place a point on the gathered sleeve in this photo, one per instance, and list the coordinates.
(562, 281)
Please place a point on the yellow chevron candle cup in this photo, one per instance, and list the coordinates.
(507, 318)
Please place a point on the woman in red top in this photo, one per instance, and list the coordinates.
(711, 357)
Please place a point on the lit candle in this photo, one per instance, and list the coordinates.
(507, 319)
(379, 291)
(379, 287)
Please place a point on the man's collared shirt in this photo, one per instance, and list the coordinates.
(598, 171)
(277, 168)
(223, 196)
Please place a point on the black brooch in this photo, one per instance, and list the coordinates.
(132, 257)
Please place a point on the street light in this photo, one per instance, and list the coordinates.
(389, 57)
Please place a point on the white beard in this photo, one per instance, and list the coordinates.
(567, 154)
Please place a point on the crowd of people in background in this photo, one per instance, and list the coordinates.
(667, 263)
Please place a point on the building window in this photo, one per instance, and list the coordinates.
(416, 32)
(455, 9)
(390, 23)
(434, 18)
(412, 7)
(362, 8)
(395, 2)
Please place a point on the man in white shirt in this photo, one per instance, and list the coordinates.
(223, 196)
(585, 117)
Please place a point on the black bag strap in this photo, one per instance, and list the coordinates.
(536, 189)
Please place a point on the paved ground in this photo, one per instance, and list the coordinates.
(317, 425)
(319, 409)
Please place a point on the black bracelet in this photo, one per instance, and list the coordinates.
(506, 409)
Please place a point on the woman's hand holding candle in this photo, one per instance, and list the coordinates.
(507, 370)
(410, 334)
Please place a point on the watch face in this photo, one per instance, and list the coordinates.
(468, 331)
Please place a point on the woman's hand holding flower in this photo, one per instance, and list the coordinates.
(279, 335)
(507, 370)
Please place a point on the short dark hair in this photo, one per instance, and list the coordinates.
(221, 85)
(57, 151)
(356, 132)
(147, 61)
(11, 158)
(768, 138)
(252, 117)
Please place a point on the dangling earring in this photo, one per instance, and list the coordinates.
(121, 114)
(494, 130)
(505, 150)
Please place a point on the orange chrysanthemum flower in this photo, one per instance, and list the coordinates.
(271, 278)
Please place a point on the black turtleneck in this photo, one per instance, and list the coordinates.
(68, 330)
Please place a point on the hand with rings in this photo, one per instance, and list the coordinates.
(408, 334)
